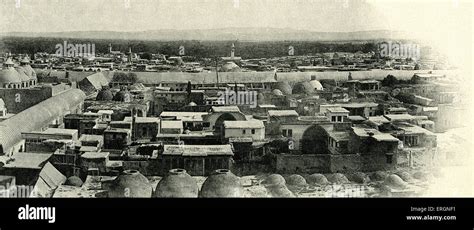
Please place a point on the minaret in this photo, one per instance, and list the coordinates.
(232, 51)
(110, 48)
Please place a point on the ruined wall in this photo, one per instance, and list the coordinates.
(345, 163)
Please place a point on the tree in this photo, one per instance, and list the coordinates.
(390, 81)
(146, 55)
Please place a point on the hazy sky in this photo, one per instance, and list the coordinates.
(316, 15)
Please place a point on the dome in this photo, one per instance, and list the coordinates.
(230, 67)
(316, 85)
(130, 183)
(104, 95)
(25, 60)
(404, 175)
(279, 190)
(222, 183)
(22, 74)
(317, 179)
(274, 179)
(337, 178)
(123, 95)
(359, 177)
(9, 75)
(277, 92)
(296, 180)
(177, 183)
(395, 181)
(30, 72)
(303, 88)
(284, 87)
(192, 104)
(74, 181)
(378, 176)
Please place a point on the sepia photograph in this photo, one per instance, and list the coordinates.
(314, 100)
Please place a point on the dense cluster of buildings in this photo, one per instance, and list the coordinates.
(152, 122)
(156, 62)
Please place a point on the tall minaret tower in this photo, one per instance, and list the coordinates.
(110, 48)
(232, 51)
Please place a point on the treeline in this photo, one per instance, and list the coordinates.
(200, 49)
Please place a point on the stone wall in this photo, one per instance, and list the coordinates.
(302, 163)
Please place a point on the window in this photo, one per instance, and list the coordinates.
(333, 118)
(389, 159)
(290, 133)
(243, 131)
(339, 118)
(253, 131)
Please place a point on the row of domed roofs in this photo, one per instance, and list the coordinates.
(21, 76)
(306, 87)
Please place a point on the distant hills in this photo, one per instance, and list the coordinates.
(227, 34)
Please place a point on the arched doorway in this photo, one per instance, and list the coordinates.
(314, 141)
(220, 121)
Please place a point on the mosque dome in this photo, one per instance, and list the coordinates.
(177, 183)
(130, 183)
(105, 94)
(30, 72)
(9, 75)
(284, 87)
(192, 103)
(303, 88)
(22, 74)
(222, 183)
(230, 67)
(316, 85)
